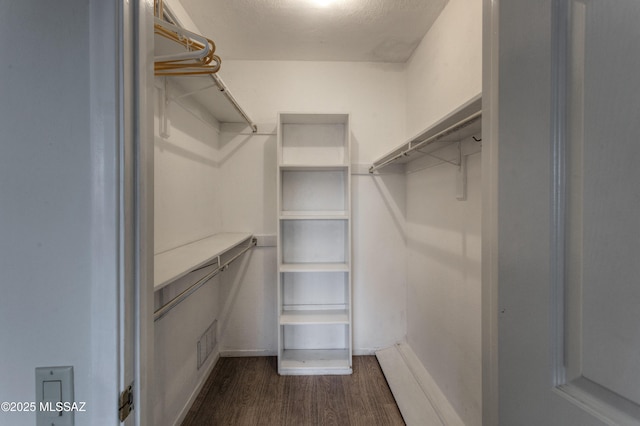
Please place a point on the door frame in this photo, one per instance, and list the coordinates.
(134, 35)
(490, 74)
(141, 40)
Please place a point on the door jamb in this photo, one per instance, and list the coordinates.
(490, 63)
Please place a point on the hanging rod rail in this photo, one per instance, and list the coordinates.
(164, 310)
(416, 145)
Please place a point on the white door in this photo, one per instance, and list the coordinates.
(569, 212)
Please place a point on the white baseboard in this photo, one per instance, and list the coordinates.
(228, 353)
(419, 398)
(365, 351)
(196, 390)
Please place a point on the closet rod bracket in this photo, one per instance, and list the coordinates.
(164, 106)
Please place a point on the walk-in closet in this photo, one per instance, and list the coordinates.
(303, 218)
(310, 212)
(319, 210)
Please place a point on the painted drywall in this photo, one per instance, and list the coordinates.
(187, 208)
(445, 70)
(186, 174)
(58, 214)
(388, 103)
(443, 298)
(374, 94)
(443, 234)
(177, 377)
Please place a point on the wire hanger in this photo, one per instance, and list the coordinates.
(199, 57)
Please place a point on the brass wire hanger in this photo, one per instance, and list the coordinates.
(199, 58)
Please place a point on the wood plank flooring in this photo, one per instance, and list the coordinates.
(249, 391)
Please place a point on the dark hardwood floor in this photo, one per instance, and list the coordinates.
(249, 391)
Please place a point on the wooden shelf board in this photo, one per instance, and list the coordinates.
(178, 262)
(313, 214)
(314, 167)
(466, 110)
(316, 316)
(314, 118)
(314, 267)
(315, 361)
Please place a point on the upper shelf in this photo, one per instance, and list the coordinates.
(462, 123)
(178, 262)
(313, 140)
(207, 90)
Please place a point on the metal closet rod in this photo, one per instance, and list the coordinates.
(449, 130)
(164, 310)
(170, 17)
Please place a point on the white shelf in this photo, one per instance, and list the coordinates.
(314, 241)
(311, 167)
(315, 361)
(461, 124)
(314, 244)
(318, 215)
(312, 190)
(313, 138)
(314, 267)
(207, 90)
(203, 91)
(178, 262)
(318, 316)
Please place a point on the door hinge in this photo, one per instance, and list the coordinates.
(126, 403)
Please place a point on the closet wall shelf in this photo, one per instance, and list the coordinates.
(314, 167)
(312, 215)
(178, 262)
(315, 361)
(314, 267)
(463, 123)
(317, 316)
(207, 90)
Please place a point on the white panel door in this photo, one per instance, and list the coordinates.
(569, 212)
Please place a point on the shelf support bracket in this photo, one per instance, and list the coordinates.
(444, 160)
(461, 177)
(193, 92)
(164, 106)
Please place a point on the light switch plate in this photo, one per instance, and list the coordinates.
(54, 388)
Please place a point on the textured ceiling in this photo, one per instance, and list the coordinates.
(344, 30)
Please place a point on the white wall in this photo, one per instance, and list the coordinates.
(186, 175)
(443, 300)
(248, 189)
(443, 234)
(374, 94)
(439, 310)
(58, 208)
(187, 208)
(445, 70)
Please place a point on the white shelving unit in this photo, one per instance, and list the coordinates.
(314, 244)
